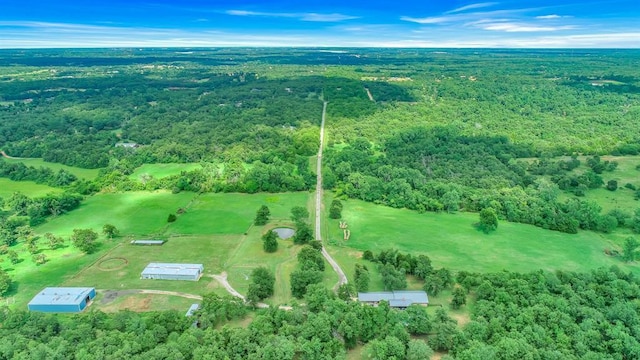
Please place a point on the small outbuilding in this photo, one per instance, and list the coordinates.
(192, 309)
(62, 299)
(172, 271)
(396, 299)
(147, 242)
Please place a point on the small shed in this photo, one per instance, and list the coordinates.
(172, 271)
(147, 242)
(192, 309)
(396, 299)
(62, 299)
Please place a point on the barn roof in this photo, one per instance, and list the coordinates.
(395, 298)
(172, 269)
(61, 296)
(147, 242)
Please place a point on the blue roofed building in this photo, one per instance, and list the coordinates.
(396, 299)
(62, 299)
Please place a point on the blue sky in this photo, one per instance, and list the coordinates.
(331, 23)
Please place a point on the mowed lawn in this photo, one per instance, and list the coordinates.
(133, 213)
(29, 188)
(451, 241)
(233, 213)
(81, 173)
(159, 171)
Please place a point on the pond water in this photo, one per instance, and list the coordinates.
(284, 233)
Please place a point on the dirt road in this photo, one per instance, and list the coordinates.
(342, 277)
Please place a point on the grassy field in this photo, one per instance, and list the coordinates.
(29, 188)
(81, 173)
(211, 231)
(159, 171)
(133, 213)
(144, 302)
(451, 241)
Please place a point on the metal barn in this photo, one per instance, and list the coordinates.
(62, 299)
(396, 299)
(171, 271)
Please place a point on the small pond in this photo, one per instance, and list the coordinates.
(284, 233)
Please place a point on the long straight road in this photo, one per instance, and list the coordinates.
(342, 277)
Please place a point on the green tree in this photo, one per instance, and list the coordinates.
(361, 278)
(629, 250)
(39, 259)
(262, 215)
(335, 210)
(5, 282)
(451, 201)
(54, 241)
(13, 257)
(110, 230)
(612, 185)
(85, 240)
(308, 257)
(172, 218)
(488, 220)
(300, 279)
(418, 350)
(261, 286)
(299, 214)
(270, 241)
(635, 221)
(459, 297)
(303, 234)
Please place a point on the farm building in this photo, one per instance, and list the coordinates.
(396, 299)
(147, 242)
(62, 299)
(192, 309)
(170, 271)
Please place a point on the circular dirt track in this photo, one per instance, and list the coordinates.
(112, 264)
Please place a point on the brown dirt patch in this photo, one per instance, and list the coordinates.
(462, 318)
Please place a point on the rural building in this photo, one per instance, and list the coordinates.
(62, 299)
(170, 271)
(129, 145)
(396, 299)
(147, 242)
(192, 309)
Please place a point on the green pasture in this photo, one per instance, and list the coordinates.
(120, 268)
(133, 213)
(451, 241)
(29, 188)
(218, 213)
(81, 173)
(159, 171)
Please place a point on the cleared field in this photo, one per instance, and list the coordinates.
(133, 213)
(451, 241)
(233, 213)
(144, 302)
(29, 188)
(121, 267)
(159, 171)
(81, 173)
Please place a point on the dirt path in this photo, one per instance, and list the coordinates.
(111, 295)
(342, 278)
(222, 279)
(4, 155)
(369, 94)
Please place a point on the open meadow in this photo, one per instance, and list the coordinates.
(452, 241)
(29, 188)
(159, 171)
(81, 173)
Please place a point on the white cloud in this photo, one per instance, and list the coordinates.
(465, 17)
(547, 17)
(519, 27)
(316, 17)
(472, 6)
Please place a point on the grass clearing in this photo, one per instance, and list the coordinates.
(220, 213)
(88, 174)
(29, 188)
(159, 171)
(145, 302)
(452, 241)
(133, 213)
